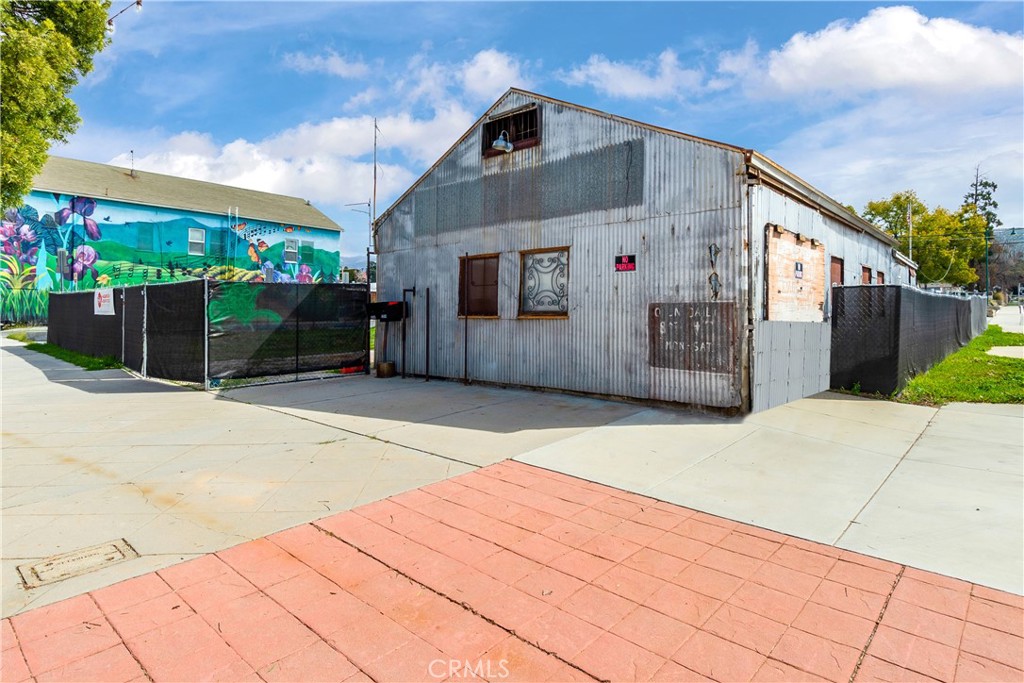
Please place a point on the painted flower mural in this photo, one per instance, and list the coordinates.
(19, 248)
(68, 242)
(84, 207)
(18, 239)
(85, 260)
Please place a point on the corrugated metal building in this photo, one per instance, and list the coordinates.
(601, 255)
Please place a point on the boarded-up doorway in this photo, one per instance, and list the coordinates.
(836, 277)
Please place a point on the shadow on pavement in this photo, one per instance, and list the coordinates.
(89, 381)
(451, 404)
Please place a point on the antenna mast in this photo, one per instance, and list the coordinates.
(373, 210)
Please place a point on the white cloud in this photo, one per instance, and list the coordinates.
(897, 143)
(892, 49)
(421, 140)
(329, 63)
(490, 73)
(660, 78)
(482, 78)
(925, 101)
(362, 99)
(327, 163)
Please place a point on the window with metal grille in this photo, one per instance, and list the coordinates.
(521, 128)
(478, 285)
(196, 242)
(306, 252)
(544, 289)
(291, 251)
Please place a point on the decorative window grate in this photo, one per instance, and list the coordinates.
(545, 285)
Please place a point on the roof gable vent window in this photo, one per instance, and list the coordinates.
(511, 131)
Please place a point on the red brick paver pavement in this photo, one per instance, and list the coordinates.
(513, 573)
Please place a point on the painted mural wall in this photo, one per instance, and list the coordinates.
(64, 243)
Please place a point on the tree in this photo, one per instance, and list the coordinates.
(979, 202)
(944, 243)
(980, 197)
(897, 215)
(47, 47)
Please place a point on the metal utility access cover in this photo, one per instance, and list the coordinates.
(75, 563)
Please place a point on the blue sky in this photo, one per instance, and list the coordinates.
(860, 99)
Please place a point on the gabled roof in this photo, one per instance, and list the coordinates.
(765, 168)
(88, 179)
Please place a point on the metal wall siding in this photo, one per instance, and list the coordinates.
(691, 196)
(791, 359)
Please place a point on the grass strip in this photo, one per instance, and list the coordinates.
(73, 357)
(972, 375)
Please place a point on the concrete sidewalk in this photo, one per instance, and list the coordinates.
(513, 573)
(936, 488)
(939, 489)
(93, 457)
(1010, 318)
(510, 571)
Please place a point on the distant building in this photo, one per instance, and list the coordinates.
(88, 225)
(576, 250)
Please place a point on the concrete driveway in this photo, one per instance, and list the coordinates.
(93, 457)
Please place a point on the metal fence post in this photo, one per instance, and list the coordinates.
(124, 314)
(367, 338)
(206, 334)
(145, 332)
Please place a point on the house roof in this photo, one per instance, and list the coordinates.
(762, 166)
(88, 179)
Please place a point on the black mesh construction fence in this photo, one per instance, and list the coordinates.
(134, 327)
(75, 326)
(882, 336)
(259, 330)
(175, 326)
(253, 329)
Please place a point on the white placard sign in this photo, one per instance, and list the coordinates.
(103, 302)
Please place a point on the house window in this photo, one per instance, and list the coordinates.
(291, 251)
(521, 128)
(145, 232)
(196, 242)
(865, 275)
(880, 278)
(478, 285)
(544, 289)
(306, 251)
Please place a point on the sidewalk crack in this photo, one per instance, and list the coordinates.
(878, 488)
(878, 622)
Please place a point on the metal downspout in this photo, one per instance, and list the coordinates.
(748, 378)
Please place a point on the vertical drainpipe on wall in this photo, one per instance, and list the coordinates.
(465, 325)
(746, 388)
